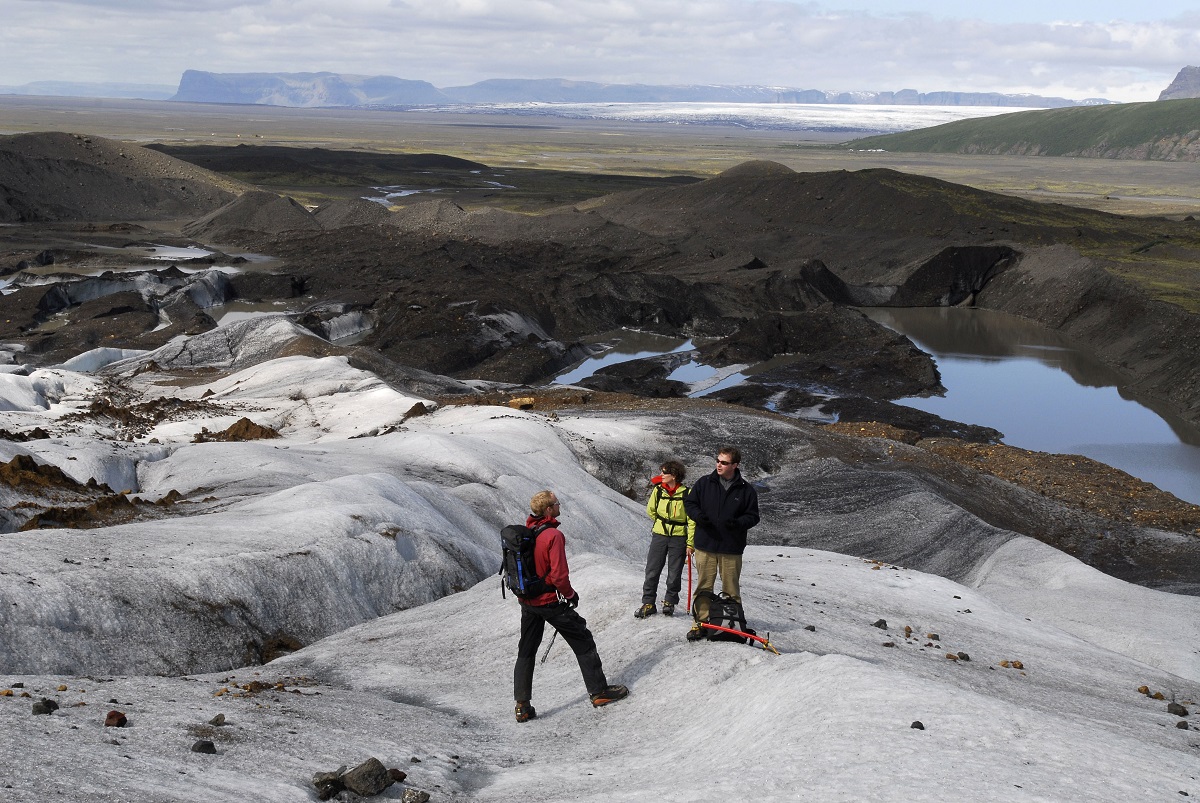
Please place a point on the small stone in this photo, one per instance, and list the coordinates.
(115, 719)
(415, 796)
(962, 656)
(1181, 725)
(329, 783)
(933, 637)
(889, 644)
(62, 687)
(811, 628)
(396, 775)
(917, 725)
(18, 685)
(204, 746)
(1176, 709)
(1144, 690)
(1018, 665)
(881, 624)
(951, 656)
(218, 720)
(1156, 696)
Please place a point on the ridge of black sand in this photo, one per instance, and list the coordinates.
(54, 176)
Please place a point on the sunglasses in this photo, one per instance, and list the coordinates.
(721, 462)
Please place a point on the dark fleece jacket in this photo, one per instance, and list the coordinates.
(722, 517)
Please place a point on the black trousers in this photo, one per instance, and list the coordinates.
(573, 628)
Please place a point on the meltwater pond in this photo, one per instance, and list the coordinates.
(1046, 395)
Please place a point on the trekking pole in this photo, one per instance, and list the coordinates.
(548, 646)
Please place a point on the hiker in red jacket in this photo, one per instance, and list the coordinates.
(556, 608)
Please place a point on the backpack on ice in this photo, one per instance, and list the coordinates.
(516, 565)
(723, 611)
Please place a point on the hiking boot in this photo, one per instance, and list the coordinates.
(609, 694)
(646, 610)
(525, 712)
(668, 609)
(696, 633)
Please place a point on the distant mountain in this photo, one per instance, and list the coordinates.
(1185, 85)
(305, 89)
(558, 90)
(1162, 130)
(332, 89)
(78, 89)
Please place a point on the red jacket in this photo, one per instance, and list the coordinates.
(550, 560)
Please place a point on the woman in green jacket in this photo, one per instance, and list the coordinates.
(669, 538)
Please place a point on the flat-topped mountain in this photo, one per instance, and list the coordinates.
(305, 89)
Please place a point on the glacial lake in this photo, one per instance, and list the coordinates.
(1001, 371)
(1045, 394)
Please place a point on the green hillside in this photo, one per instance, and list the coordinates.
(1167, 130)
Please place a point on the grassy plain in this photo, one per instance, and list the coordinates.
(604, 147)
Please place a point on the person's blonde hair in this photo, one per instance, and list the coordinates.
(541, 501)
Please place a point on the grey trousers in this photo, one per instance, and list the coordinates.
(669, 550)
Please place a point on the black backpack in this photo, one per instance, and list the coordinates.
(516, 565)
(723, 611)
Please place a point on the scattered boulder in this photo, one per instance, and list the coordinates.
(1176, 709)
(917, 725)
(115, 719)
(204, 746)
(881, 624)
(44, 706)
(329, 784)
(368, 778)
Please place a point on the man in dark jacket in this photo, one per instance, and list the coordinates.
(556, 608)
(724, 507)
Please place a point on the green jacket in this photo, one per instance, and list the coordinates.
(666, 510)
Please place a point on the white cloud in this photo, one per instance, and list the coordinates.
(654, 41)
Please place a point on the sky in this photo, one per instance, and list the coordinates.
(1024, 675)
(1119, 51)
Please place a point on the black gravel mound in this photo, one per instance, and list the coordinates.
(55, 177)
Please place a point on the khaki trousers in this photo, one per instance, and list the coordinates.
(708, 566)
